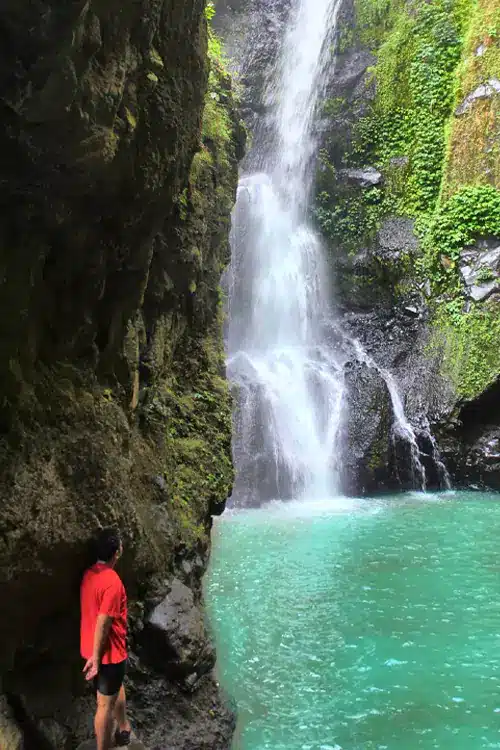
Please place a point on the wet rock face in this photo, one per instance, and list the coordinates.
(366, 459)
(93, 134)
(112, 366)
(482, 463)
(10, 734)
(396, 236)
(367, 177)
(471, 441)
(252, 31)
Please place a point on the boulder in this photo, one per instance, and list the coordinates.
(396, 236)
(484, 91)
(480, 269)
(350, 68)
(53, 734)
(365, 178)
(175, 638)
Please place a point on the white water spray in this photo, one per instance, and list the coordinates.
(290, 386)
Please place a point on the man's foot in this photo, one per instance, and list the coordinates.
(122, 737)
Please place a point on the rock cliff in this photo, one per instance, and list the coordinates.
(120, 142)
(408, 202)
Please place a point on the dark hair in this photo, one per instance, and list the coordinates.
(107, 544)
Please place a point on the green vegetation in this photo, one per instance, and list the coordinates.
(470, 213)
(198, 440)
(469, 343)
(217, 129)
(441, 169)
(473, 152)
(193, 409)
(469, 334)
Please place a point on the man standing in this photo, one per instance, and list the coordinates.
(103, 634)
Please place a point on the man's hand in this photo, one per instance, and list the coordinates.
(91, 668)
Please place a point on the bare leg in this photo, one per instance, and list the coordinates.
(121, 712)
(103, 722)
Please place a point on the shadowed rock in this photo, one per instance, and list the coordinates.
(175, 639)
(366, 459)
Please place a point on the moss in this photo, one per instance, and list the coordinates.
(191, 409)
(131, 119)
(217, 126)
(155, 58)
(471, 336)
(429, 57)
(470, 213)
(470, 346)
(333, 107)
(197, 415)
(372, 19)
(473, 152)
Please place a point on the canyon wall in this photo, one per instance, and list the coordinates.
(120, 142)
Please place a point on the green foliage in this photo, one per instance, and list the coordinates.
(217, 129)
(485, 274)
(209, 10)
(470, 334)
(351, 218)
(440, 170)
(473, 153)
(471, 213)
(417, 56)
(415, 94)
(470, 343)
(372, 19)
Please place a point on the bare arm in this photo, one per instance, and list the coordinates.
(101, 634)
(102, 628)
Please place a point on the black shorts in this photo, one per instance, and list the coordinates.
(110, 678)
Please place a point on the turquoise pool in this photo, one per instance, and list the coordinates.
(369, 624)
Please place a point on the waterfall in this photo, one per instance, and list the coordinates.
(288, 385)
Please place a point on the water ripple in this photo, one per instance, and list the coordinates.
(361, 626)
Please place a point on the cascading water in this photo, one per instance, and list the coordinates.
(402, 427)
(289, 385)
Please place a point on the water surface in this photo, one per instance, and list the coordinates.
(361, 624)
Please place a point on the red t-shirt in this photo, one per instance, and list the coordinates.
(103, 593)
